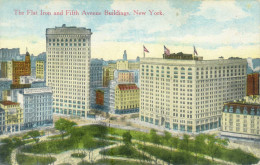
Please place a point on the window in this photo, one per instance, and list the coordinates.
(238, 110)
(245, 111)
(252, 111)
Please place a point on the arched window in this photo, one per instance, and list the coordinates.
(258, 111)
(231, 109)
(189, 69)
(245, 111)
(252, 111)
(226, 108)
(238, 110)
(175, 68)
(182, 68)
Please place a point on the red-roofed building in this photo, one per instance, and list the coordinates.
(6, 103)
(127, 98)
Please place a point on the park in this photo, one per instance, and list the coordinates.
(101, 144)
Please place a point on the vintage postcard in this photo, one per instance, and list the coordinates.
(128, 82)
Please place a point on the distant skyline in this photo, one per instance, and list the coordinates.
(216, 28)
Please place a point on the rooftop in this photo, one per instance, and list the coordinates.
(182, 56)
(8, 103)
(127, 86)
(181, 62)
(5, 79)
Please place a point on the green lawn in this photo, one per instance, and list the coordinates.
(238, 156)
(174, 157)
(58, 146)
(124, 151)
(23, 159)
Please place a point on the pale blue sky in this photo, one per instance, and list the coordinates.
(227, 28)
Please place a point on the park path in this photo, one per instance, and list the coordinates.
(65, 157)
(13, 157)
(174, 149)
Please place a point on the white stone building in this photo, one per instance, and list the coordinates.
(68, 52)
(37, 106)
(188, 95)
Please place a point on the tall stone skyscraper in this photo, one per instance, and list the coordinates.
(68, 52)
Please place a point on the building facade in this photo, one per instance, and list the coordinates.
(241, 119)
(133, 65)
(7, 70)
(4, 86)
(108, 74)
(9, 54)
(122, 65)
(126, 98)
(68, 69)
(96, 73)
(21, 68)
(127, 76)
(40, 69)
(37, 106)
(188, 94)
(253, 84)
(11, 117)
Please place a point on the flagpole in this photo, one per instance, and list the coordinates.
(144, 54)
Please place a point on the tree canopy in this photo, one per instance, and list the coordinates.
(35, 135)
(64, 125)
(127, 137)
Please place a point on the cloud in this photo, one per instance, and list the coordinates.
(221, 11)
(142, 24)
(228, 36)
(56, 5)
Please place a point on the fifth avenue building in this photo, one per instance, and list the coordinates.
(187, 94)
(68, 64)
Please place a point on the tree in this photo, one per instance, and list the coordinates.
(64, 125)
(34, 135)
(89, 144)
(167, 137)
(185, 142)
(154, 137)
(17, 141)
(127, 137)
(175, 141)
(215, 145)
(199, 145)
(76, 137)
(6, 149)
